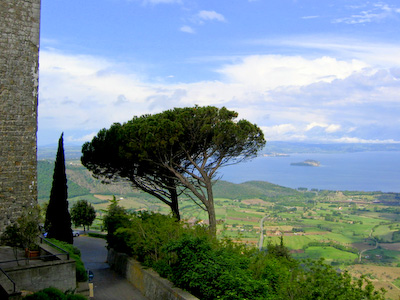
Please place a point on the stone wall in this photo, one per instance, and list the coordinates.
(147, 281)
(60, 274)
(19, 51)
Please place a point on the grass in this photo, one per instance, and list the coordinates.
(397, 282)
(329, 253)
(351, 226)
(383, 232)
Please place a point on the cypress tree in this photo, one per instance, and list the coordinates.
(58, 219)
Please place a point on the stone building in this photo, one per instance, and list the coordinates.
(19, 53)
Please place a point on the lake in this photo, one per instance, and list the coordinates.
(358, 171)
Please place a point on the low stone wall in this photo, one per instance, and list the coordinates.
(58, 273)
(147, 281)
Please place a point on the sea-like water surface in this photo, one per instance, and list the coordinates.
(358, 171)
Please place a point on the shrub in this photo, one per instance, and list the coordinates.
(75, 253)
(220, 269)
(116, 217)
(37, 296)
(146, 235)
(211, 270)
(75, 297)
(97, 235)
(53, 294)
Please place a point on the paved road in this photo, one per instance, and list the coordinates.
(108, 285)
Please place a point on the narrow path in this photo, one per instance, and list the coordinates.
(376, 246)
(108, 285)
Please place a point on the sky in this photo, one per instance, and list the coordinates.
(316, 71)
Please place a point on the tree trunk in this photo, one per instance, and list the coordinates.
(213, 221)
(211, 209)
(174, 204)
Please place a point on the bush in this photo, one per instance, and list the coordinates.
(75, 297)
(211, 270)
(116, 217)
(97, 235)
(75, 253)
(220, 269)
(37, 296)
(146, 235)
(53, 294)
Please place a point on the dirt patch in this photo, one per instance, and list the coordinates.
(380, 276)
(387, 246)
(254, 201)
(243, 219)
(392, 291)
(378, 272)
(315, 233)
(363, 246)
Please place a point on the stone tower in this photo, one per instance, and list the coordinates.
(19, 53)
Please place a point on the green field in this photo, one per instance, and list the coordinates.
(329, 254)
(339, 219)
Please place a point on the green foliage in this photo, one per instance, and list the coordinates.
(97, 235)
(53, 294)
(178, 149)
(331, 244)
(24, 233)
(317, 280)
(114, 154)
(115, 217)
(220, 269)
(212, 272)
(256, 189)
(38, 296)
(146, 235)
(12, 237)
(45, 171)
(75, 253)
(75, 297)
(396, 237)
(83, 213)
(58, 219)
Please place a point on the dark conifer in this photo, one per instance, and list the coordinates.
(58, 219)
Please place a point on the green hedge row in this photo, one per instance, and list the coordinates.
(331, 244)
(53, 294)
(75, 253)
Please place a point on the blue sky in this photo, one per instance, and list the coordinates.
(303, 70)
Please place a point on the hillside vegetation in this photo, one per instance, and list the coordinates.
(357, 231)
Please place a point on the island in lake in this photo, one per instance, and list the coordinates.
(307, 163)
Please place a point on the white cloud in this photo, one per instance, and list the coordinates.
(85, 138)
(371, 53)
(82, 92)
(200, 18)
(314, 124)
(283, 132)
(272, 71)
(329, 128)
(364, 141)
(187, 29)
(309, 17)
(210, 15)
(333, 128)
(290, 97)
(376, 13)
